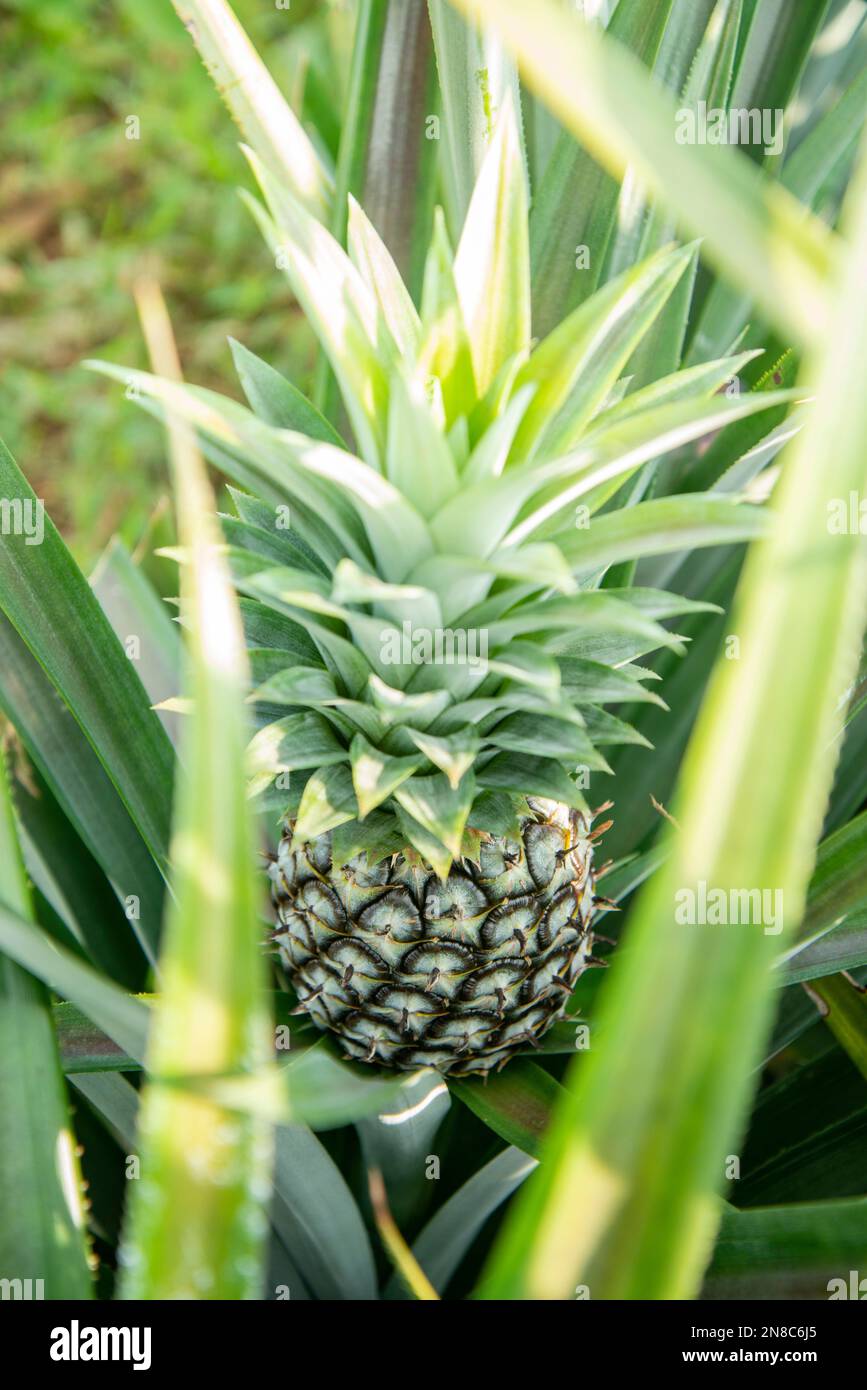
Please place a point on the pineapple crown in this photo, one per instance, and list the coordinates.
(438, 620)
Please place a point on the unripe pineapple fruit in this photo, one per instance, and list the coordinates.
(434, 625)
(410, 970)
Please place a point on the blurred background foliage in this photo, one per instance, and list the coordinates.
(85, 209)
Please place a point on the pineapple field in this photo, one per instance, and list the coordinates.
(433, 846)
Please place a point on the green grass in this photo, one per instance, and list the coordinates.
(86, 210)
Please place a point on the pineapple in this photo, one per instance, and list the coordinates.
(410, 969)
(439, 615)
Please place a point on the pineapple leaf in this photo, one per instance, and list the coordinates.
(589, 682)
(350, 494)
(377, 836)
(536, 734)
(542, 565)
(268, 452)
(582, 613)
(51, 606)
(122, 1016)
(340, 307)
(735, 456)
(397, 601)
(316, 1216)
(277, 547)
(297, 741)
(292, 587)
(766, 742)
(212, 1014)
(488, 459)
(373, 261)
(276, 401)
(375, 775)
(576, 366)
(255, 101)
(832, 141)
(328, 801)
(709, 81)
(517, 1104)
(493, 403)
(268, 662)
(397, 707)
(576, 207)
(444, 351)
(475, 77)
(526, 775)
(41, 1208)
(526, 664)
(755, 232)
(338, 653)
(459, 582)
(390, 91)
(492, 263)
(598, 467)
(451, 1231)
(427, 845)
(476, 521)
(483, 712)
(81, 785)
(89, 916)
(298, 685)
(772, 50)
(837, 890)
(690, 383)
(133, 604)
(463, 580)
(258, 513)
(786, 1251)
(267, 630)
(665, 524)
(398, 1141)
(439, 807)
(454, 755)
(397, 533)
(418, 460)
(607, 728)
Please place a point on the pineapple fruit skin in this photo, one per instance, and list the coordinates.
(408, 970)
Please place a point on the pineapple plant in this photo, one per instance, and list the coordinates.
(515, 500)
(435, 634)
